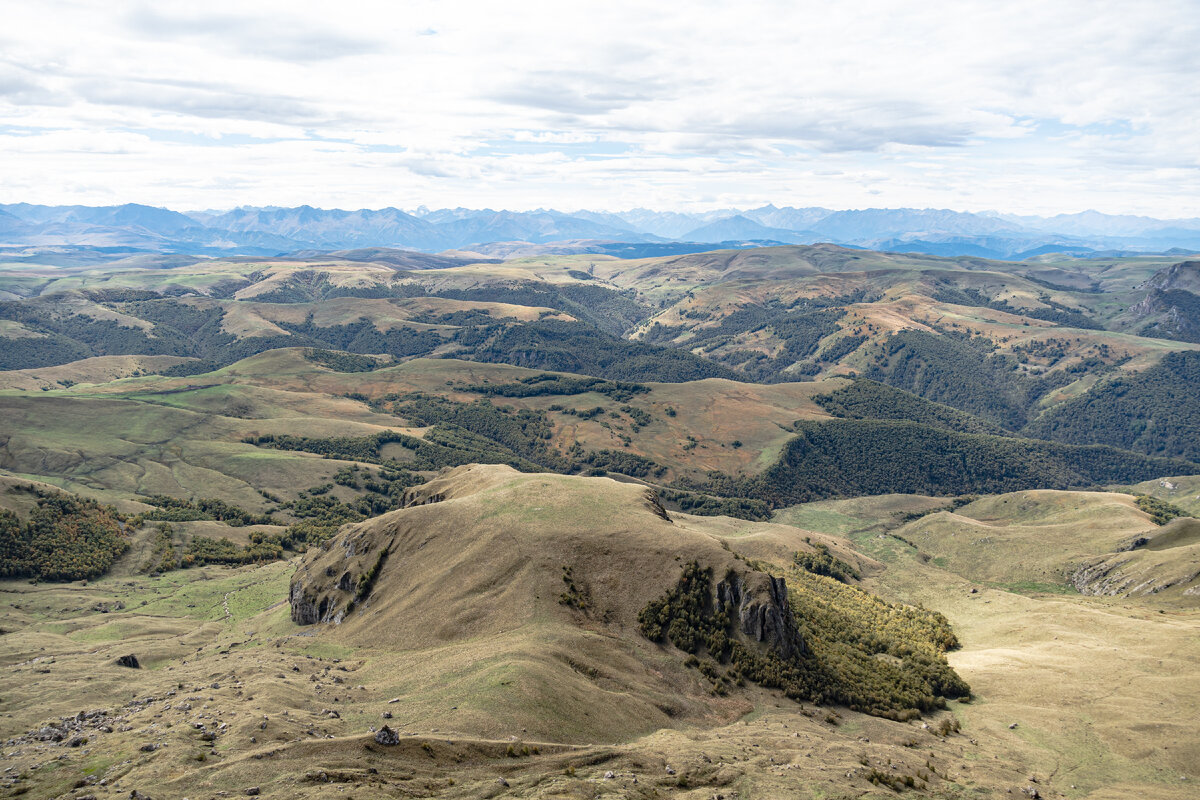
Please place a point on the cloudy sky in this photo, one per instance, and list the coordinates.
(1029, 107)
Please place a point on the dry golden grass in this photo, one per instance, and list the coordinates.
(100, 369)
(1028, 538)
(496, 680)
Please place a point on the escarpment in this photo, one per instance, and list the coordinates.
(759, 603)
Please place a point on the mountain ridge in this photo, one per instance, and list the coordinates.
(275, 230)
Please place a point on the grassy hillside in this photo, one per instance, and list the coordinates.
(495, 649)
(1002, 341)
(585, 556)
(230, 434)
(1032, 538)
(528, 633)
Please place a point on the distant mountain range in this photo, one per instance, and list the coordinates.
(26, 228)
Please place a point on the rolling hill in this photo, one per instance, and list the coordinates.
(788, 521)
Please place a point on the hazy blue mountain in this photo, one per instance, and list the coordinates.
(130, 215)
(532, 226)
(134, 226)
(443, 215)
(739, 228)
(275, 230)
(11, 225)
(792, 219)
(1165, 238)
(609, 219)
(333, 228)
(667, 224)
(866, 225)
(1095, 223)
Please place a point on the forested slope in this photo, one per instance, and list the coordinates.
(1156, 411)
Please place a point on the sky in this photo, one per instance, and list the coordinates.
(1024, 107)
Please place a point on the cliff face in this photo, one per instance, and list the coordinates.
(1184, 275)
(1171, 308)
(759, 604)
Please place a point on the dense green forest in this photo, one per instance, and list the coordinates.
(558, 346)
(565, 385)
(1161, 512)
(961, 372)
(866, 399)
(1156, 411)
(847, 458)
(523, 432)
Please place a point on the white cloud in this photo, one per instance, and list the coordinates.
(1025, 106)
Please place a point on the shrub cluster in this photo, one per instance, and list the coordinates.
(1160, 511)
(875, 657)
(66, 538)
(822, 562)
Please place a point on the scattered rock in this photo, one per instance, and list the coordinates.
(387, 736)
(1013, 726)
(386, 715)
(670, 771)
(608, 776)
(129, 661)
(253, 790)
(502, 782)
(147, 748)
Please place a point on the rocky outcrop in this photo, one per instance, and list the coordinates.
(387, 737)
(1185, 275)
(654, 503)
(757, 604)
(1172, 314)
(351, 563)
(310, 606)
(1172, 304)
(1117, 576)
